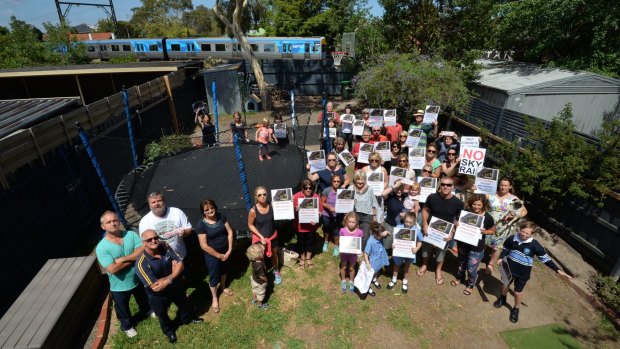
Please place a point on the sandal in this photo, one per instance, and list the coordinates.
(215, 309)
(439, 281)
(421, 272)
(467, 290)
(228, 292)
(310, 264)
(455, 282)
(302, 264)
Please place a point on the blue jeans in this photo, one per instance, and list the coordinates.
(121, 305)
(468, 261)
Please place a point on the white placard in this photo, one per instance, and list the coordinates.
(376, 117)
(316, 159)
(346, 121)
(380, 209)
(428, 186)
(470, 142)
(398, 174)
(471, 160)
(332, 132)
(438, 229)
(468, 230)
(350, 244)
(358, 127)
(365, 150)
(383, 148)
(389, 117)
(345, 200)
(416, 158)
(404, 240)
(413, 138)
(486, 180)
(346, 157)
(279, 130)
(308, 210)
(282, 203)
(430, 114)
(375, 182)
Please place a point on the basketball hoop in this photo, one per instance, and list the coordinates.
(337, 56)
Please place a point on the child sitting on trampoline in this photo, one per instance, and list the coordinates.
(263, 135)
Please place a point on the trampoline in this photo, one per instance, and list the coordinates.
(188, 178)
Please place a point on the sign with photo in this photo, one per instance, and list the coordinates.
(383, 148)
(416, 158)
(468, 230)
(438, 230)
(358, 127)
(308, 210)
(350, 244)
(389, 117)
(486, 180)
(316, 159)
(375, 182)
(346, 157)
(376, 117)
(282, 203)
(398, 174)
(431, 112)
(365, 150)
(428, 186)
(471, 160)
(404, 240)
(345, 200)
(413, 138)
(279, 130)
(332, 132)
(347, 123)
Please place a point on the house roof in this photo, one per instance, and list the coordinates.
(22, 113)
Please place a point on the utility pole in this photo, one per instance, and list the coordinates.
(108, 9)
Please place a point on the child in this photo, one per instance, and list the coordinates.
(520, 250)
(331, 124)
(263, 135)
(282, 133)
(259, 277)
(375, 255)
(410, 222)
(411, 202)
(350, 227)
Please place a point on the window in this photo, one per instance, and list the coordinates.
(269, 48)
(103, 48)
(126, 47)
(205, 47)
(153, 48)
(236, 47)
(254, 47)
(115, 48)
(220, 47)
(190, 47)
(139, 47)
(287, 48)
(307, 47)
(91, 48)
(175, 47)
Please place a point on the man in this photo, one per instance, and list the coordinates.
(116, 253)
(442, 205)
(170, 223)
(377, 136)
(426, 128)
(158, 267)
(392, 132)
(330, 112)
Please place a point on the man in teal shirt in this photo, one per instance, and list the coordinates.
(117, 253)
(418, 117)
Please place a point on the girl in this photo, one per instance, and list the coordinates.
(520, 250)
(207, 127)
(350, 227)
(346, 124)
(281, 136)
(469, 256)
(330, 218)
(411, 203)
(239, 128)
(263, 135)
(410, 222)
(331, 124)
(375, 255)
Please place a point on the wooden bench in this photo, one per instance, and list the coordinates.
(50, 312)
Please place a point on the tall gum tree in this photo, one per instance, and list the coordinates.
(236, 30)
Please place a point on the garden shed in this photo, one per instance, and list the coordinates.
(543, 92)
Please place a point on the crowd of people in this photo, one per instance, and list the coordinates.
(149, 264)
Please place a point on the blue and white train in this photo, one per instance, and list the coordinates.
(224, 48)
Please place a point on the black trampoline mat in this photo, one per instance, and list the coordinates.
(212, 173)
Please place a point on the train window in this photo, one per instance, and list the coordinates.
(269, 48)
(153, 48)
(190, 47)
(103, 48)
(220, 47)
(126, 47)
(205, 47)
(91, 48)
(306, 47)
(175, 47)
(317, 48)
(236, 47)
(254, 47)
(115, 48)
(287, 48)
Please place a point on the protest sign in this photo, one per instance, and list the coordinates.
(365, 150)
(428, 186)
(308, 210)
(347, 123)
(389, 117)
(398, 174)
(282, 203)
(375, 181)
(504, 272)
(383, 148)
(438, 230)
(468, 230)
(332, 132)
(346, 157)
(471, 160)
(486, 180)
(345, 200)
(350, 244)
(430, 114)
(470, 142)
(404, 240)
(376, 117)
(416, 158)
(358, 127)
(413, 138)
(316, 159)
(279, 130)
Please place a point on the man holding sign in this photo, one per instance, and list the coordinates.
(445, 206)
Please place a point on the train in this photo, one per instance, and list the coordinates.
(306, 48)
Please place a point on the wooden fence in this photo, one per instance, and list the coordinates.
(27, 145)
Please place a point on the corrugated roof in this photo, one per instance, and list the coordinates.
(22, 113)
(103, 68)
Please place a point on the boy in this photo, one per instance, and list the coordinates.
(259, 277)
(521, 249)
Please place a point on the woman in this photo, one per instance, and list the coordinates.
(469, 256)
(356, 149)
(366, 204)
(394, 152)
(394, 199)
(338, 148)
(324, 177)
(207, 127)
(374, 166)
(503, 210)
(402, 161)
(402, 140)
(450, 165)
(239, 128)
(216, 240)
(306, 232)
(262, 226)
(331, 219)
(430, 159)
(346, 126)
(448, 142)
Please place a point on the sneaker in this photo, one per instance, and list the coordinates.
(263, 306)
(343, 286)
(325, 247)
(351, 287)
(278, 279)
(514, 315)
(153, 315)
(336, 251)
(131, 332)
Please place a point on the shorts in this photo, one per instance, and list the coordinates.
(428, 249)
(519, 283)
(349, 258)
(400, 260)
(258, 289)
(263, 148)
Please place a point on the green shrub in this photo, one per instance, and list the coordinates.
(607, 289)
(167, 145)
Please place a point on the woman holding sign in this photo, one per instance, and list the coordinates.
(469, 255)
(450, 165)
(324, 177)
(306, 221)
(331, 219)
(262, 226)
(431, 160)
(366, 204)
(375, 166)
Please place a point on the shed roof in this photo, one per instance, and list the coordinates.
(82, 69)
(21, 113)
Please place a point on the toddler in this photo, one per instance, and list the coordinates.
(259, 276)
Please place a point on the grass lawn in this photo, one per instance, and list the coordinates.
(544, 337)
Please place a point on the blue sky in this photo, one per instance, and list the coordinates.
(38, 11)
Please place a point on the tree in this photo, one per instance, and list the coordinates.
(63, 49)
(235, 28)
(409, 81)
(123, 29)
(370, 41)
(22, 46)
(412, 25)
(202, 22)
(156, 18)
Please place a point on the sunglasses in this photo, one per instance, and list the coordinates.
(154, 238)
(261, 194)
(306, 188)
(376, 131)
(445, 184)
(431, 151)
(403, 136)
(452, 154)
(374, 160)
(331, 159)
(428, 171)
